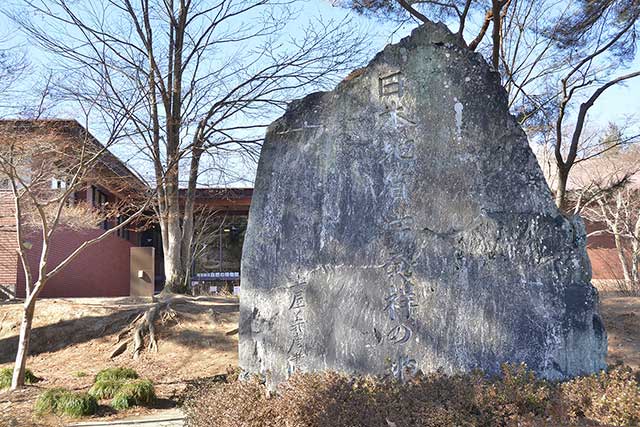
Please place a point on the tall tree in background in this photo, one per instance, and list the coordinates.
(612, 142)
(604, 33)
(557, 60)
(212, 72)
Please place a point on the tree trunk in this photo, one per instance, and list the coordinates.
(173, 231)
(173, 227)
(635, 257)
(495, 35)
(188, 218)
(23, 344)
(561, 190)
(172, 256)
(635, 272)
(623, 261)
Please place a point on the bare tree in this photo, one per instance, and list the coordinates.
(213, 74)
(621, 214)
(208, 224)
(45, 164)
(583, 77)
(612, 199)
(458, 11)
(13, 67)
(530, 60)
(558, 59)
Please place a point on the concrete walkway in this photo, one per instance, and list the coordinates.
(170, 418)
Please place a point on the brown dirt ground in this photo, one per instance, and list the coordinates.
(621, 316)
(72, 340)
(195, 347)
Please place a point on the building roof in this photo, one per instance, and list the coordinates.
(601, 171)
(229, 200)
(221, 193)
(72, 128)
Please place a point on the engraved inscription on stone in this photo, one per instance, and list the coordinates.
(371, 248)
(404, 368)
(297, 305)
(391, 84)
(304, 127)
(399, 159)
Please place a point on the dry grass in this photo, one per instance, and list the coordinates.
(197, 346)
(336, 400)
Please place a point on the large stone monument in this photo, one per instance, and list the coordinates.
(401, 223)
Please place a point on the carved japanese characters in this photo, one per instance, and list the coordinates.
(400, 223)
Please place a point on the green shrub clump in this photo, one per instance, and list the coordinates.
(47, 402)
(7, 373)
(133, 393)
(77, 404)
(124, 387)
(60, 401)
(331, 399)
(105, 389)
(116, 374)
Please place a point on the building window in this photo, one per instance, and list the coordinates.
(100, 201)
(123, 232)
(99, 197)
(58, 184)
(5, 184)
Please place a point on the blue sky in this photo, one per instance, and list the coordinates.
(616, 104)
(613, 105)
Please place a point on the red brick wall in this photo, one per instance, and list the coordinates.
(8, 254)
(101, 270)
(601, 248)
(605, 263)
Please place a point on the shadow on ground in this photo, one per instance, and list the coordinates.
(69, 332)
(75, 331)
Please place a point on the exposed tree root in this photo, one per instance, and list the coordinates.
(119, 349)
(6, 293)
(130, 326)
(144, 325)
(2, 320)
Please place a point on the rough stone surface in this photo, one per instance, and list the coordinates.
(401, 223)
